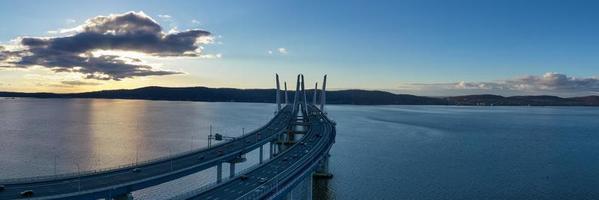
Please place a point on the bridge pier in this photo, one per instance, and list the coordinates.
(126, 196)
(271, 149)
(238, 159)
(323, 169)
(302, 191)
(309, 185)
(261, 154)
(321, 189)
(219, 172)
(231, 169)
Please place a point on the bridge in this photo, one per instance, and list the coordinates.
(299, 136)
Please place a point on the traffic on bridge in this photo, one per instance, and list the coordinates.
(299, 135)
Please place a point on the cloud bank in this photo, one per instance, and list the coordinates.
(549, 83)
(132, 31)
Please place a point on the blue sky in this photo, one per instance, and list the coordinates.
(421, 47)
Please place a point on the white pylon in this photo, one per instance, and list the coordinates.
(278, 96)
(296, 96)
(286, 100)
(323, 94)
(304, 101)
(314, 97)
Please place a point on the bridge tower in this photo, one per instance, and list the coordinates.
(311, 186)
(296, 95)
(304, 101)
(315, 95)
(278, 95)
(323, 169)
(323, 96)
(300, 109)
(286, 100)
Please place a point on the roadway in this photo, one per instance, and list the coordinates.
(271, 176)
(123, 180)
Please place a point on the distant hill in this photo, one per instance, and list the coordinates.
(356, 97)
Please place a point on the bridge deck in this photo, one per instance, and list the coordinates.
(273, 175)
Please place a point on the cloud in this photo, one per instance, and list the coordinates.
(70, 21)
(165, 16)
(549, 83)
(131, 31)
(212, 56)
(78, 83)
(195, 21)
(282, 50)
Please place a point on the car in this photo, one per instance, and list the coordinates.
(2, 187)
(285, 159)
(201, 157)
(136, 170)
(262, 180)
(243, 177)
(27, 193)
(220, 152)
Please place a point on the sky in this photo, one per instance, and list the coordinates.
(422, 47)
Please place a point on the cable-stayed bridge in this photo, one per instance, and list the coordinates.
(299, 138)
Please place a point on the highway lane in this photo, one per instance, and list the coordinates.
(281, 168)
(152, 173)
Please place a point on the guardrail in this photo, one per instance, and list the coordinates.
(74, 175)
(274, 184)
(212, 185)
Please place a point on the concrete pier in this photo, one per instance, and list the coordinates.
(219, 172)
(126, 196)
(231, 169)
(261, 154)
(323, 169)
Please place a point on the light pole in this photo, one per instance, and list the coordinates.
(136, 154)
(191, 143)
(55, 163)
(170, 152)
(210, 137)
(78, 177)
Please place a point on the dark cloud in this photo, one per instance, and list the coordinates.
(126, 32)
(77, 83)
(555, 81)
(548, 83)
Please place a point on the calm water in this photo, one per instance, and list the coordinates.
(382, 152)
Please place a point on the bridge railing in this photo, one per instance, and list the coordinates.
(211, 185)
(124, 166)
(103, 170)
(275, 183)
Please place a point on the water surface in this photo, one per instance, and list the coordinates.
(382, 152)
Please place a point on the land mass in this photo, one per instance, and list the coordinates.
(354, 97)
